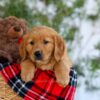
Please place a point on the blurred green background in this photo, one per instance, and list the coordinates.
(78, 21)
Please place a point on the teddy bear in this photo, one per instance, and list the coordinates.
(11, 31)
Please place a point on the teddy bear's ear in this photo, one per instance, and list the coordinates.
(22, 50)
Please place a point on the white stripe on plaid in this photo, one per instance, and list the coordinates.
(23, 85)
(13, 83)
(20, 90)
(73, 78)
(73, 82)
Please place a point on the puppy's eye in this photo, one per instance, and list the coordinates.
(31, 42)
(45, 41)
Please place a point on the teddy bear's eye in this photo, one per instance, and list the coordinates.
(45, 41)
(32, 42)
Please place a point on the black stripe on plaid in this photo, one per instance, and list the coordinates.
(20, 87)
(4, 65)
(16, 83)
(73, 78)
(59, 98)
(51, 74)
(44, 91)
(73, 82)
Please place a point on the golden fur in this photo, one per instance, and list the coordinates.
(53, 51)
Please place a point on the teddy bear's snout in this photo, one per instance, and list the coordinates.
(17, 28)
(15, 32)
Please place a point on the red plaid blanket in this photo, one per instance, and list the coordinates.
(43, 88)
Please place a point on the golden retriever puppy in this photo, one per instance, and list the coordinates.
(43, 48)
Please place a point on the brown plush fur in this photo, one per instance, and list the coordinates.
(53, 54)
(11, 28)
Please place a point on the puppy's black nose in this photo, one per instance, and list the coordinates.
(38, 55)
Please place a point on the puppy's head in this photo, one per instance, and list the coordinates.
(42, 45)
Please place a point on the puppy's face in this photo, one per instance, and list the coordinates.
(41, 45)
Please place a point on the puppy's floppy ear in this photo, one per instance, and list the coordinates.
(59, 47)
(22, 49)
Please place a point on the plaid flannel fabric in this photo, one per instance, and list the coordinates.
(44, 86)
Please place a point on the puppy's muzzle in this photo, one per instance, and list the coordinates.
(38, 55)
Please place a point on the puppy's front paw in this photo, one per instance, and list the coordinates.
(63, 82)
(27, 76)
(27, 70)
(62, 75)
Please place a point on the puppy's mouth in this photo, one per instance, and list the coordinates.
(39, 59)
